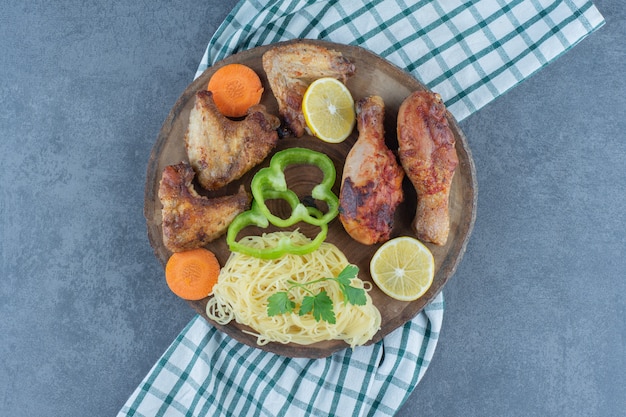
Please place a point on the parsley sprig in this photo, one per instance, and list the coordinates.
(319, 304)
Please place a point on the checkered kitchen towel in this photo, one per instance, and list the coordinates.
(468, 51)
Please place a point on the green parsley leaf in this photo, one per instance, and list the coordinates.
(349, 272)
(351, 295)
(354, 296)
(307, 305)
(279, 303)
(320, 305)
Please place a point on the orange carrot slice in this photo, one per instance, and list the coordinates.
(235, 89)
(191, 274)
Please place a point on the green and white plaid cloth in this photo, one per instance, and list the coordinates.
(468, 51)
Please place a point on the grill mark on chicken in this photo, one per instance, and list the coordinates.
(355, 197)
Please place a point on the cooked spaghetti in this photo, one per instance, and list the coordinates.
(245, 284)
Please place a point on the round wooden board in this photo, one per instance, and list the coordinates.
(374, 76)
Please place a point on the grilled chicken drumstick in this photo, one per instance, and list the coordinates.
(427, 153)
(292, 68)
(221, 150)
(371, 186)
(189, 219)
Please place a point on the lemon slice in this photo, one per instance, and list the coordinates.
(328, 109)
(403, 268)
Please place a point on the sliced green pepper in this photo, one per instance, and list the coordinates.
(272, 178)
(270, 183)
(254, 217)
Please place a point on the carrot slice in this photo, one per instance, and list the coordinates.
(191, 274)
(235, 89)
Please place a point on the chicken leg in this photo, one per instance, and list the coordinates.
(371, 185)
(428, 156)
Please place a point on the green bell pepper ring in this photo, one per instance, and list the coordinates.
(254, 217)
(272, 178)
(270, 184)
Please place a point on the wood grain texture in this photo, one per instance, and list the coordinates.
(374, 76)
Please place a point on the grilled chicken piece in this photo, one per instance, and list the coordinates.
(221, 150)
(292, 68)
(427, 153)
(189, 219)
(371, 185)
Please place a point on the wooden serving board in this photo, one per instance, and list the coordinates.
(374, 76)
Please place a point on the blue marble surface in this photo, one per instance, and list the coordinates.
(535, 323)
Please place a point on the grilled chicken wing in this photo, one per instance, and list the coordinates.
(189, 219)
(292, 68)
(371, 186)
(221, 150)
(427, 153)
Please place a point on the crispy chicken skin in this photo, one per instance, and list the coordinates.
(189, 219)
(221, 150)
(371, 184)
(427, 153)
(292, 68)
